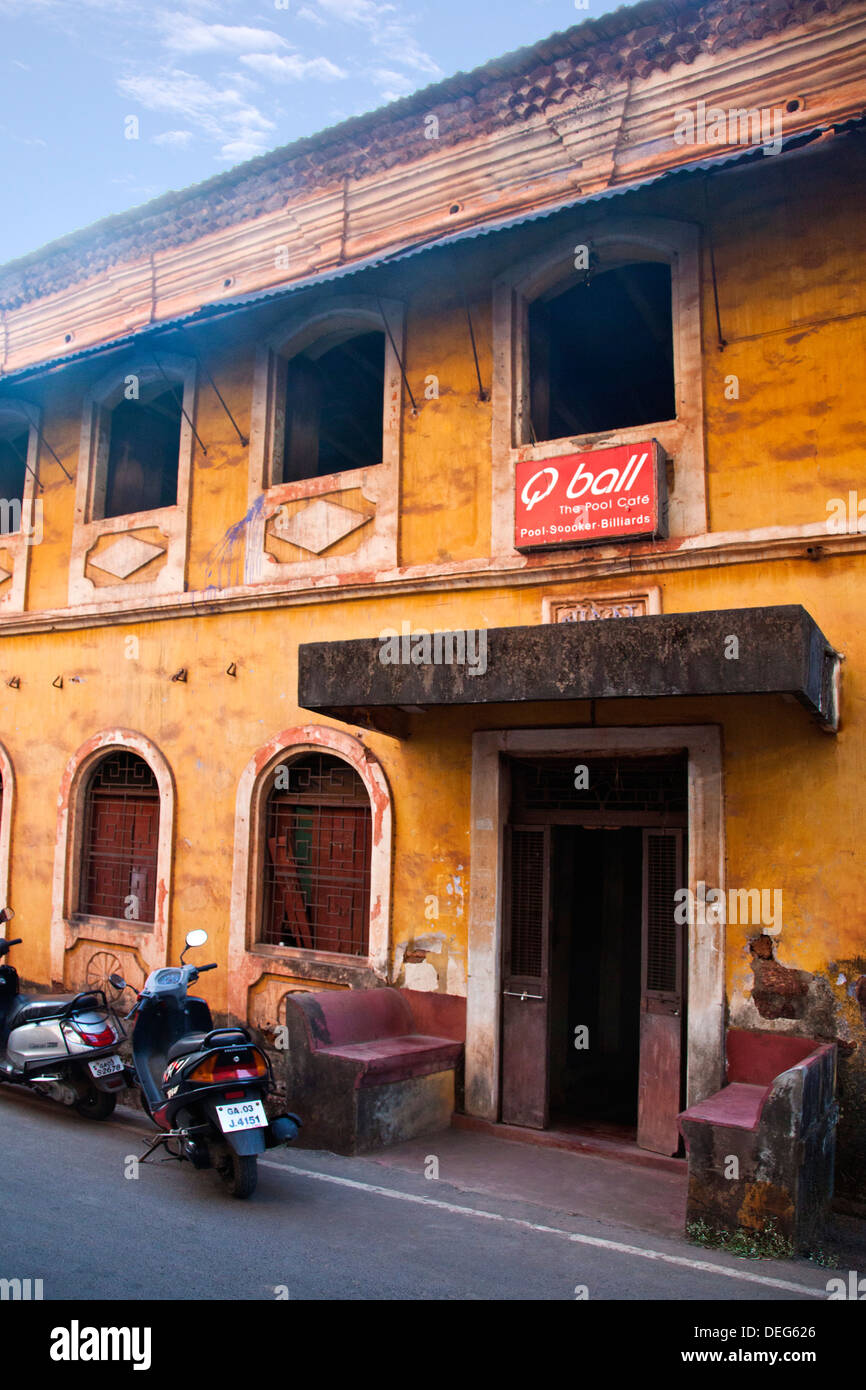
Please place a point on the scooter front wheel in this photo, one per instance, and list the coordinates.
(96, 1104)
(239, 1172)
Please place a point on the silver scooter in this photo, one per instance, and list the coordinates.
(60, 1045)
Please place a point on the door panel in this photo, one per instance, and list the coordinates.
(525, 991)
(661, 993)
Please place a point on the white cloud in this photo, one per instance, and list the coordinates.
(178, 138)
(22, 139)
(187, 35)
(389, 32)
(292, 67)
(355, 11)
(402, 49)
(234, 151)
(306, 13)
(392, 84)
(221, 113)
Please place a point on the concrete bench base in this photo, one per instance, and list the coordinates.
(403, 1110)
(763, 1146)
(360, 1076)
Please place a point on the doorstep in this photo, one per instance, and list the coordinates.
(575, 1141)
(594, 1184)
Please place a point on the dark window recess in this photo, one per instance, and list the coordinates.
(317, 859)
(657, 785)
(13, 452)
(121, 834)
(143, 454)
(601, 354)
(334, 409)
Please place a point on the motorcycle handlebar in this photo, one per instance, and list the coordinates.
(201, 968)
(16, 942)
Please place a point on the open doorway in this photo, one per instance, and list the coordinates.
(594, 1003)
(595, 976)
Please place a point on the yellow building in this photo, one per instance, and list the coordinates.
(269, 432)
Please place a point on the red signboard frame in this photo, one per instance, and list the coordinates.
(593, 498)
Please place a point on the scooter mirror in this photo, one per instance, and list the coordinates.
(7, 914)
(117, 981)
(196, 938)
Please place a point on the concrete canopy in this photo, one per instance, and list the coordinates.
(374, 682)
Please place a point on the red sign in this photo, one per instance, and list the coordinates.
(583, 499)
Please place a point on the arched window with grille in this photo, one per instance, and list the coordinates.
(120, 840)
(316, 861)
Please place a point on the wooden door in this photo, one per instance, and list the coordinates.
(525, 988)
(661, 1021)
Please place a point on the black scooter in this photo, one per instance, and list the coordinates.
(203, 1086)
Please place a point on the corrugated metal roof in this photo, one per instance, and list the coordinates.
(232, 306)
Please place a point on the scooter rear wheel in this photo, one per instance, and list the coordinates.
(239, 1172)
(96, 1104)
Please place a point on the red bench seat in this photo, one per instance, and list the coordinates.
(394, 1059)
(361, 1074)
(738, 1105)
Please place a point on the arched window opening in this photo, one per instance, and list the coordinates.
(601, 353)
(317, 854)
(120, 840)
(334, 401)
(14, 443)
(143, 452)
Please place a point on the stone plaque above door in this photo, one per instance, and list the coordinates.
(634, 603)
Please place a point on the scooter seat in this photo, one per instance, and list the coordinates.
(32, 1010)
(190, 1042)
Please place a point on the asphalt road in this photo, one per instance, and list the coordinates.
(318, 1227)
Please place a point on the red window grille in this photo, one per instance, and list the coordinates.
(121, 835)
(317, 858)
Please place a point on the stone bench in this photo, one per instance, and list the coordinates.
(764, 1145)
(359, 1072)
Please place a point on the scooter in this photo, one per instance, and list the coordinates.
(204, 1087)
(60, 1045)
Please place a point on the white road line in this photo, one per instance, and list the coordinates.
(703, 1265)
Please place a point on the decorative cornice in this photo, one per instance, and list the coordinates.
(713, 551)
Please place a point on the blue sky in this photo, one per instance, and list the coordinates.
(211, 83)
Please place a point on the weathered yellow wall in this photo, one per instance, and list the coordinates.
(790, 258)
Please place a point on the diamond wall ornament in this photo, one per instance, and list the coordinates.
(4, 574)
(318, 526)
(125, 556)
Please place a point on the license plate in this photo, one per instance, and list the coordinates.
(244, 1114)
(105, 1066)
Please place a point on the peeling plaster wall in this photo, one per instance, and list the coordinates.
(792, 296)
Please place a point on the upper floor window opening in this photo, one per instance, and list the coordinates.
(143, 451)
(14, 445)
(601, 353)
(333, 407)
(137, 440)
(626, 357)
